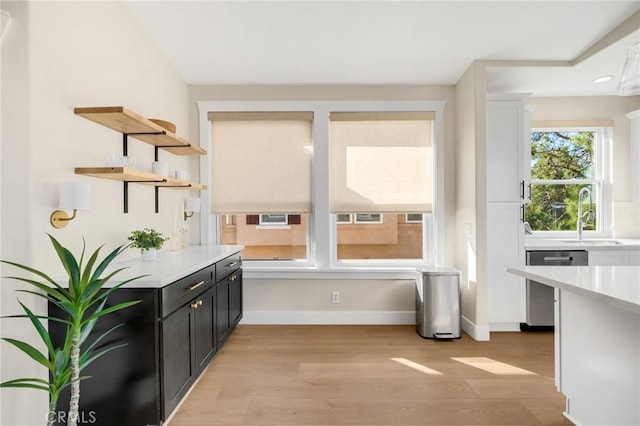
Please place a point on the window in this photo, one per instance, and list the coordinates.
(563, 161)
(280, 237)
(344, 218)
(381, 166)
(413, 218)
(368, 218)
(325, 184)
(261, 166)
(273, 219)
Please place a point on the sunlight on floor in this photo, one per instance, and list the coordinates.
(493, 366)
(417, 366)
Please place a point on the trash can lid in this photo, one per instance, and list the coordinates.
(438, 270)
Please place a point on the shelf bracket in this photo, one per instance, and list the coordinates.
(125, 193)
(125, 151)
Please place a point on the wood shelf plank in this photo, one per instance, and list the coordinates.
(123, 120)
(125, 174)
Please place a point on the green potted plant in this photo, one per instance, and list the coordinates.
(82, 302)
(148, 240)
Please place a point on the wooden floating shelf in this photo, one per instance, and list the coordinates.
(125, 174)
(127, 122)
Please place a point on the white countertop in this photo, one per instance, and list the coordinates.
(169, 266)
(616, 285)
(586, 244)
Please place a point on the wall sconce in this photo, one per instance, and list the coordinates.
(192, 206)
(73, 196)
(630, 77)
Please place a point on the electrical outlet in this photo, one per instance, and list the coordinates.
(335, 297)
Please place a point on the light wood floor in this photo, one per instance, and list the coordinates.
(375, 375)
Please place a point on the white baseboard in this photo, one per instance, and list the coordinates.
(504, 326)
(329, 317)
(571, 419)
(477, 332)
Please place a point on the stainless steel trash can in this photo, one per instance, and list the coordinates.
(438, 313)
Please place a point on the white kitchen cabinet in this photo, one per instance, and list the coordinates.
(508, 177)
(505, 247)
(618, 257)
(508, 152)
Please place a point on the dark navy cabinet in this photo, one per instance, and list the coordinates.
(171, 336)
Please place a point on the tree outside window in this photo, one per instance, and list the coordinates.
(562, 163)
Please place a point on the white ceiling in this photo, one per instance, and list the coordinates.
(389, 42)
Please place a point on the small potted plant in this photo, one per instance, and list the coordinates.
(148, 241)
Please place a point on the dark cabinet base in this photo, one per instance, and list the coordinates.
(168, 345)
(124, 386)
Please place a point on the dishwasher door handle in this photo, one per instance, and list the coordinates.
(558, 258)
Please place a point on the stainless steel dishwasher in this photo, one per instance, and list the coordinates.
(540, 297)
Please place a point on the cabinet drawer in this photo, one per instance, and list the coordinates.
(228, 265)
(180, 292)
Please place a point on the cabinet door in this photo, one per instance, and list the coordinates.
(235, 298)
(505, 247)
(178, 369)
(608, 258)
(222, 310)
(204, 332)
(505, 151)
(123, 385)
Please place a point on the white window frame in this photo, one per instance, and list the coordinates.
(603, 180)
(321, 239)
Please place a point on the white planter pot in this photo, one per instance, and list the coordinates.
(149, 254)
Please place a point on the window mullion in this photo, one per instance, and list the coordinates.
(322, 241)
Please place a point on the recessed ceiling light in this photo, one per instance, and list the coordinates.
(603, 79)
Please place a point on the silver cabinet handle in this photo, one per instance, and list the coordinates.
(232, 264)
(193, 287)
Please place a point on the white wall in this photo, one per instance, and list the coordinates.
(305, 301)
(470, 199)
(56, 56)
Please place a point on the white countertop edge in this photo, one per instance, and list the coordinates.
(599, 244)
(615, 285)
(168, 267)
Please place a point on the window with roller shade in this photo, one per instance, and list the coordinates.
(261, 181)
(381, 170)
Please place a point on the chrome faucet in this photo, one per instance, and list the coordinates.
(589, 213)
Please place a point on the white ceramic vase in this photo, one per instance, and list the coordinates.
(149, 254)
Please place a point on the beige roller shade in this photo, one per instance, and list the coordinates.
(381, 162)
(261, 162)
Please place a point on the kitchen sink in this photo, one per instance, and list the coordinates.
(594, 241)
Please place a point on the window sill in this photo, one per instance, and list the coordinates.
(312, 273)
(273, 226)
